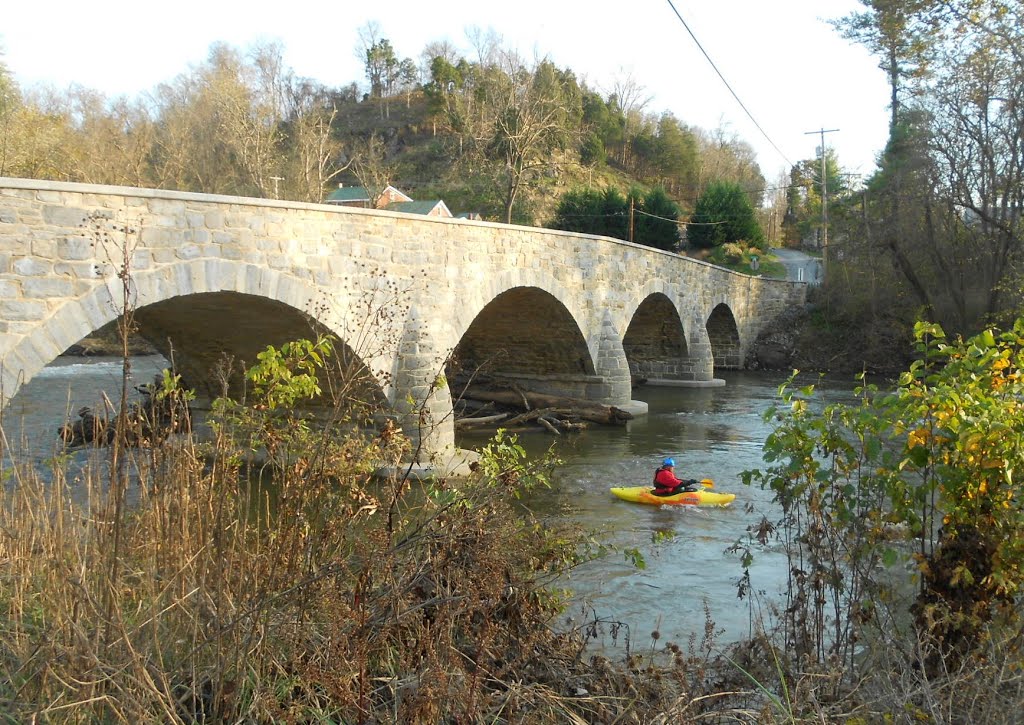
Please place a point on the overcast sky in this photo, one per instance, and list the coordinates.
(789, 68)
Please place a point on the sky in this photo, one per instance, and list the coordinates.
(791, 71)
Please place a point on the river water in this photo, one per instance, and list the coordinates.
(712, 433)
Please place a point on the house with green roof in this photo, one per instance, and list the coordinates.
(358, 196)
(391, 199)
(426, 208)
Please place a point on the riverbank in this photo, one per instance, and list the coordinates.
(805, 339)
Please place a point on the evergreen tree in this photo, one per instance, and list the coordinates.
(591, 211)
(657, 225)
(723, 214)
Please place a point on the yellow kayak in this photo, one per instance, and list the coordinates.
(701, 497)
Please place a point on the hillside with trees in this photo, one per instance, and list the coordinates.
(488, 131)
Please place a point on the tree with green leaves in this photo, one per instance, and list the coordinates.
(803, 217)
(937, 454)
(607, 213)
(723, 214)
(895, 32)
(592, 211)
(657, 221)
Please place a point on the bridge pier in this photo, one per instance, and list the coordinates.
(612, 366)
(422, 404)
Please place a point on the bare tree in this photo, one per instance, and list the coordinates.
(531, 121)
(316, 154)
(631, 99)
(372, 167)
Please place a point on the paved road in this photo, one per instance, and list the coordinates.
(800, 267)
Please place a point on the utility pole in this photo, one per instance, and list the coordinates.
(631, 218)
(276, 179)
(824, 203)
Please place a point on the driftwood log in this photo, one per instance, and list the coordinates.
(480, 420)
(582, 409)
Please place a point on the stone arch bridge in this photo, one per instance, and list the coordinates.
(410, 296)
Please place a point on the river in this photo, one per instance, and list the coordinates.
(712, 433)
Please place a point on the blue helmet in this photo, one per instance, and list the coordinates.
(669, 462)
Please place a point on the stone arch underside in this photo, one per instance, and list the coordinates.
(212, 337)
(723, 333)
(526, 335)
(655, 342)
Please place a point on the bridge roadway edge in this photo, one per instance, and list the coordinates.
(54, 284)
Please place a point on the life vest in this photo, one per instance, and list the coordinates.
(666, 485)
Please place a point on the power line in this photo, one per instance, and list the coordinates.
(682, 224)
(742, 105)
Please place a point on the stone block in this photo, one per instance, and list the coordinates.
(141, 260)
(50, 196)
(30, 267)
(187, 251)
(214, 219)
(42, 288)
(164, 255)
(279, 261)
(23, 310)
(167, 208)
(154, 236)
(63, 216)
(75, 248)
(77, 270)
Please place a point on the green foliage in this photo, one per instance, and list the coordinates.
(657, 221)
(959, 415)
(936, 457)
(607, 213)
(723, 213)
(829, 475)
(283, 377)
(803, 217)
(504, 461)
(592, 151)
(592, 211)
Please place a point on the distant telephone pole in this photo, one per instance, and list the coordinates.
(824, 202)
(276, 179)
(631, 218)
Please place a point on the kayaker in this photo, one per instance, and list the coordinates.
(666, 483)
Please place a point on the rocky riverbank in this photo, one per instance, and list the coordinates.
(802, 339)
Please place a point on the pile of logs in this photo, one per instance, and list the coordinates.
(504, 405)
(148, 420)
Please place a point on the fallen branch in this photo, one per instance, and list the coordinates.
(544, 422)
(480, 420)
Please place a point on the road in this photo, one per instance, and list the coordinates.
(800, 267)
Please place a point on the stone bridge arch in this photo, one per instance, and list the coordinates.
(665, 339)
(554, 344)
(197, 312)
(724, 337)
